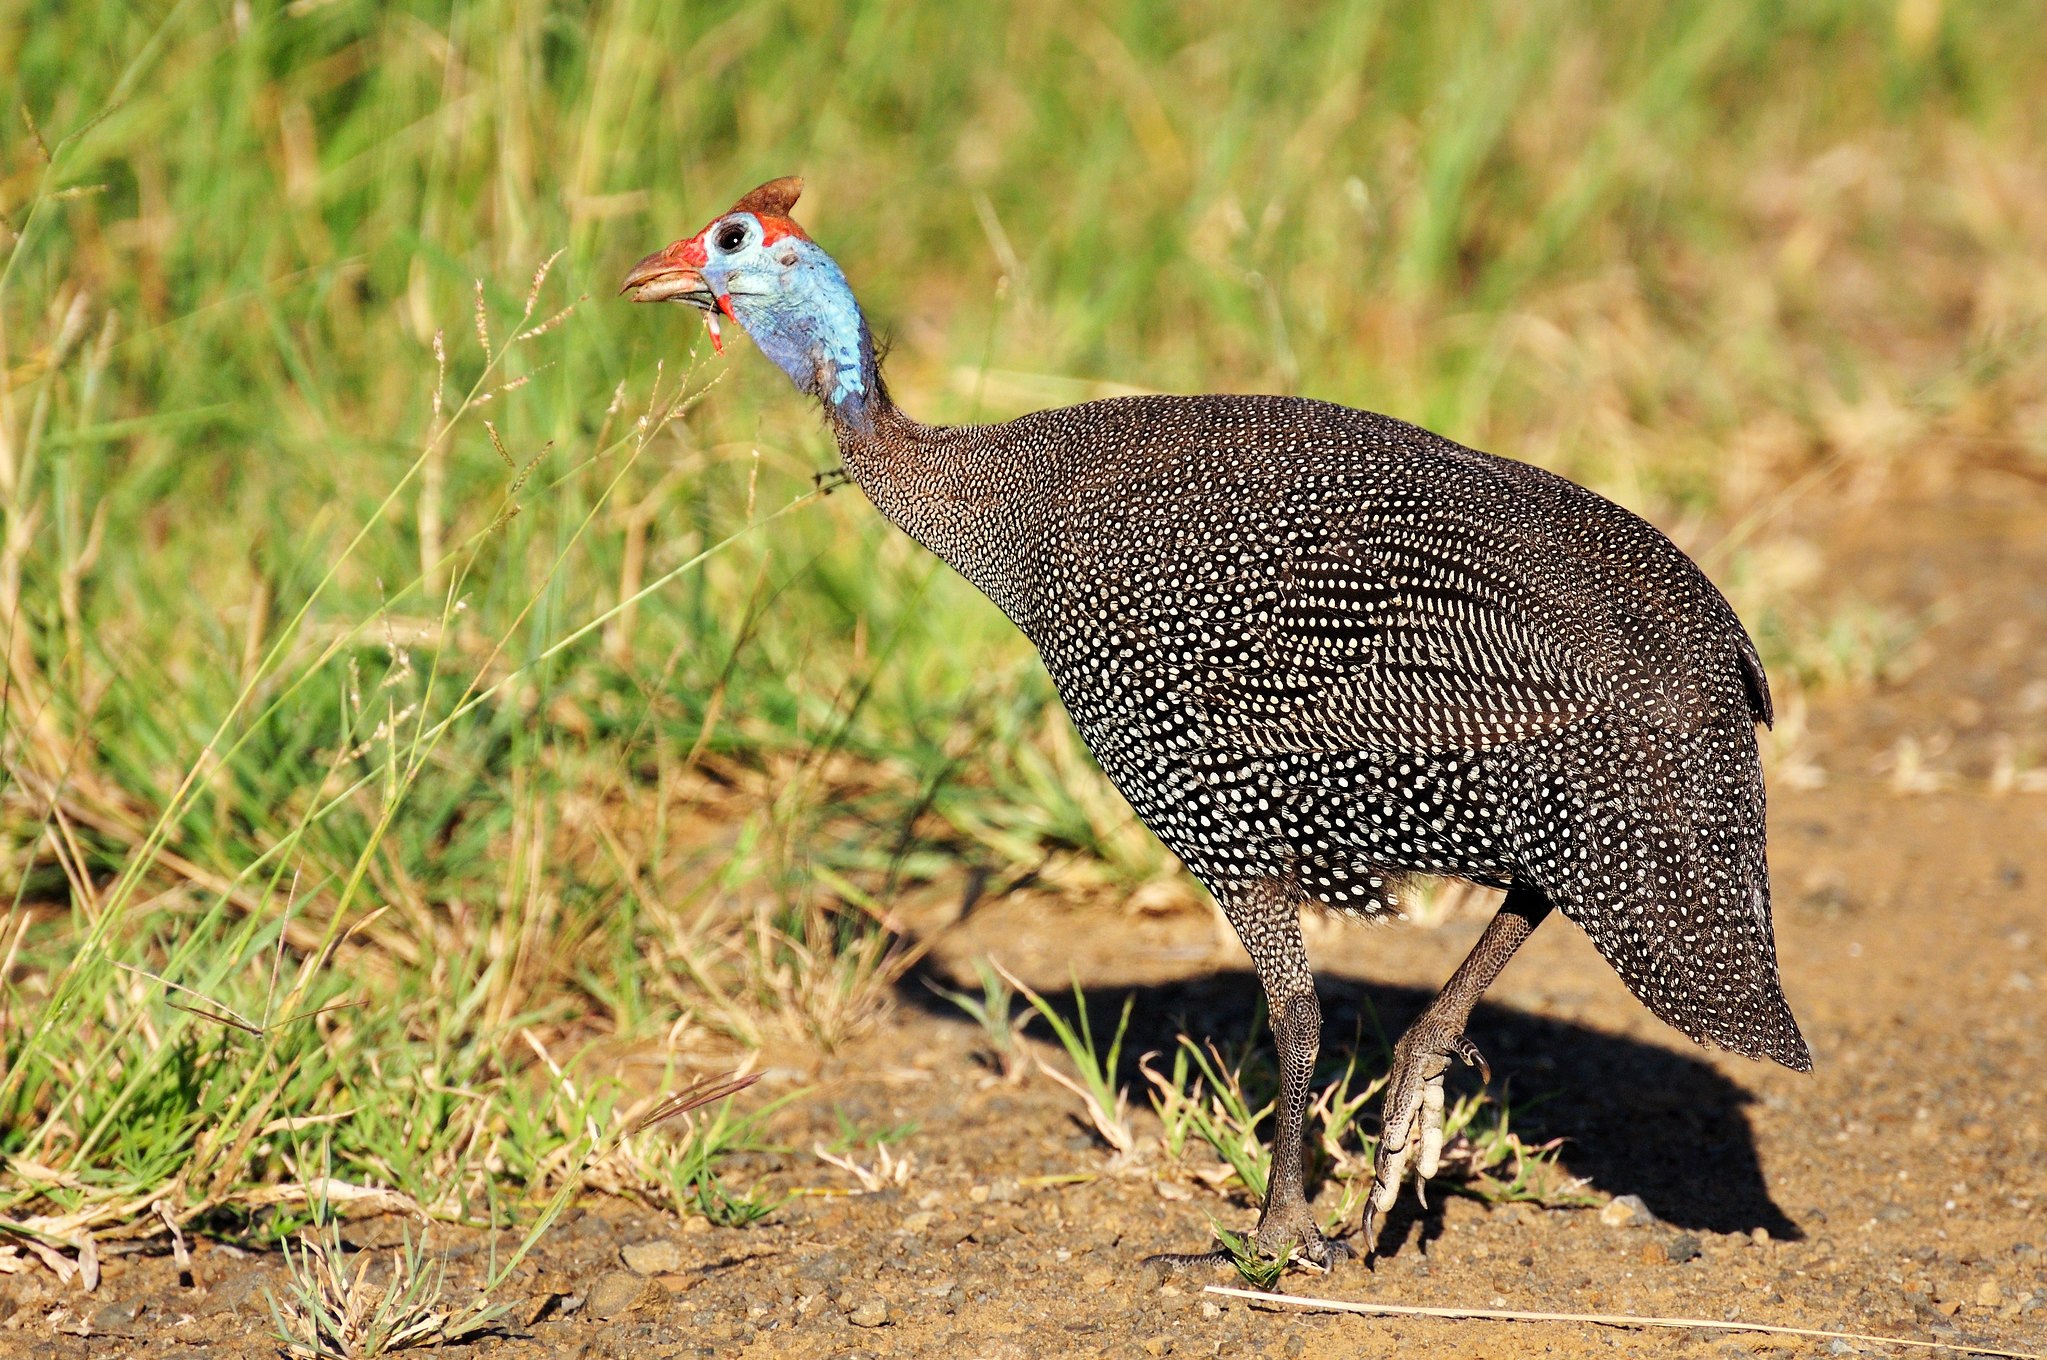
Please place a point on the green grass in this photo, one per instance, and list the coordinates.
(1221, 1101)
(995, 1011)
(334, 1309)
(399, 685)
(1096, 1068)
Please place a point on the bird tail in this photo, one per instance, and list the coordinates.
(1671, 881)
(1731, 996)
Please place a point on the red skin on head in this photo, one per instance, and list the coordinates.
(769, 205)
(773, 229)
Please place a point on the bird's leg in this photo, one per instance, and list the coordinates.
(1269, 923)
(830, 480)
(1411, 1124)
(1286, 1221)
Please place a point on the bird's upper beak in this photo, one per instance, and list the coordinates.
(663, 277)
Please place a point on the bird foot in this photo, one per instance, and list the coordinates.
(1292, 1235)
(1411, 1123)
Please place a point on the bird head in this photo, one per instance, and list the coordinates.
(754, 265)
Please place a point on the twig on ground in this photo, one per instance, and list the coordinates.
(1604, 1320)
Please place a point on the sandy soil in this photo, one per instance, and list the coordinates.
(1900, 1189)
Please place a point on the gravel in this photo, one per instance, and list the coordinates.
(613, 1294)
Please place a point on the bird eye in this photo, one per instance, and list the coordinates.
(731, 236)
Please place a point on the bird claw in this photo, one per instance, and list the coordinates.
(1286, 1231)
(1414, 1105)
(1468, 1051)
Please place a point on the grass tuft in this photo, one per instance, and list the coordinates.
(1253, 1266)
(1106, 1102)
(995, 1012)
(333, 1308)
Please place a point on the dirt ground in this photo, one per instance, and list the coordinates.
(1901, 1189)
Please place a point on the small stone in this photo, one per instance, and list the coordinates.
(116, 1317)
(1210, 1309)
(827, 1268)
(1005, 1191)
(1681, 1248)
(1157, 1345)
(247, 1292)
(696, 1225)
(613, 1293)
(1760, 1236)
(1627, 1211)
(918, 1221)
(658, 1257)
(870, 1310)
(978, 1194)
(1988, 1294)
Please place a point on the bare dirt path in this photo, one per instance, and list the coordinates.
(1900, 1189)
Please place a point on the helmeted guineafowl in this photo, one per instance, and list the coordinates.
(1321, 650)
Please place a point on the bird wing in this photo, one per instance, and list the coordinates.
(1330, 613)
(1414, 634)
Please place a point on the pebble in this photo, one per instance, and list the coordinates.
(116, 1317)
(1627, 1211)
(658, 1257)
(1681, 1248)
(918, 1221)
(244, 1292)
(613, 1293)
(1988, 1294)
(870, 1310)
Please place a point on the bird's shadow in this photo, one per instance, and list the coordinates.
(1635, 1118)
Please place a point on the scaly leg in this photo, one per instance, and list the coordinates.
(1414, 1090)
(1268, 920)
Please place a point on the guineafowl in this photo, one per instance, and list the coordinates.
(1321, 651)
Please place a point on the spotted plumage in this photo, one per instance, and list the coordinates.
(1321, 651)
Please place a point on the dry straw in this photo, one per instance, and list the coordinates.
(1604, 1320)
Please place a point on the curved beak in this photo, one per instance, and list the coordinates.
(663, 277)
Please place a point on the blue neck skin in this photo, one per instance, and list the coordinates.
(809, 324)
